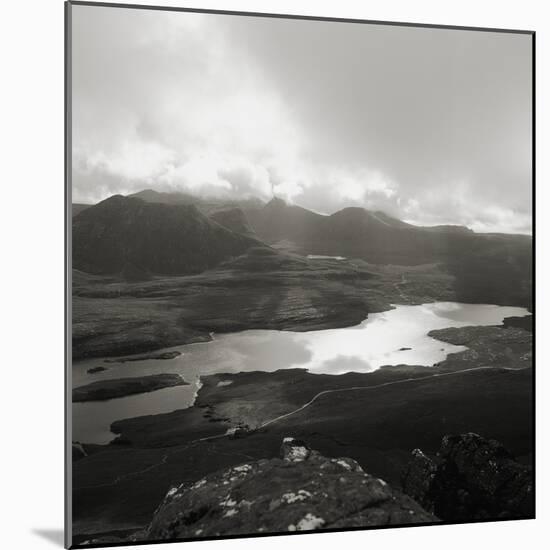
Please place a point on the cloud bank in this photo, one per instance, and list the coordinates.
(430, 125)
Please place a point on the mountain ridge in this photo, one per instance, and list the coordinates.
(212, 205)
(122, 232)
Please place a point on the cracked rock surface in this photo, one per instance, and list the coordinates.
(470, 478)
(301, 491)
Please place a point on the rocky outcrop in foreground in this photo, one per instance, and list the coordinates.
(301, 491)
(471, 478)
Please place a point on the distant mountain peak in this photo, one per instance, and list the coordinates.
(174, 197)
(153, 238)
(276, 202)
(354, 213)
(233, 219)
(145, 192)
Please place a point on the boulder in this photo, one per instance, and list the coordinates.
(301, 491)
(470, 478)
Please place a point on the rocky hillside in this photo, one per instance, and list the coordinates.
(125, 234)
(487, 268)
(471, 478)
(78, 207)
(233, 219)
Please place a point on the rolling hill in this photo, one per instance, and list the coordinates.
(491, 268)
(235, 220)
(78, 207)
(177, 233)
(355, 232)
(128, 234)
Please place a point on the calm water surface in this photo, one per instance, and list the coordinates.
(375, 342)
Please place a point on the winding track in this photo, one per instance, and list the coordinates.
(402, 381)
(398, 285)
(164, 459)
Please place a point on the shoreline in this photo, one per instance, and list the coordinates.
(113, 319)
(223, 403)
(438, 334)
(524, 322)
(118, 318)
(185, 445)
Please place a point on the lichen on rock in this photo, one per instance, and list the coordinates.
(470, 478)
(300, 491)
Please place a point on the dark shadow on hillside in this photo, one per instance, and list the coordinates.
(501, 277)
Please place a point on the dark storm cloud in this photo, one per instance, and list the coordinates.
(430, 125)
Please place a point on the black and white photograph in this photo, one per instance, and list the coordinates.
(300, 274)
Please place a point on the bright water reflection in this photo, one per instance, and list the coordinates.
(379, 340)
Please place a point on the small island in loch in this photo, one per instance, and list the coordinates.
(121, 387)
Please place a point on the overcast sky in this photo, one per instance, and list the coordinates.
(429, 125)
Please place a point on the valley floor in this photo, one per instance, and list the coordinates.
(485, 389)
(112, 317)
(376, 418)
